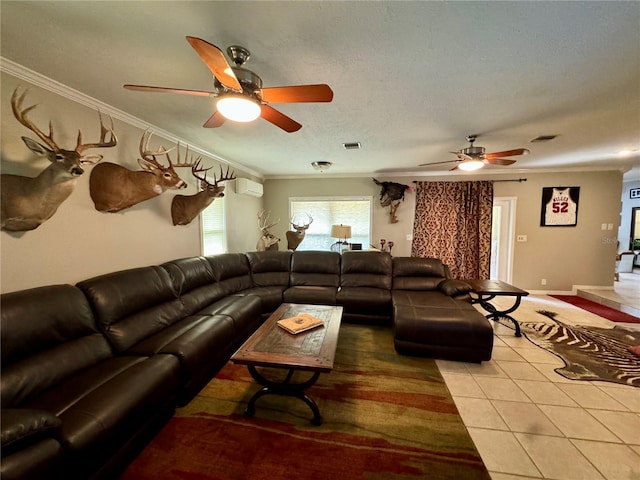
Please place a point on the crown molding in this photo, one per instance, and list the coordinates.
(23, 73)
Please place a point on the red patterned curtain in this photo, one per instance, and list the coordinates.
(453, 223)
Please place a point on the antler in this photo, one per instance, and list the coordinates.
(21, 116)
(224, 176)
(304, 226)
(102, 143)
(195, 170)
(263, 220)
(150, 155)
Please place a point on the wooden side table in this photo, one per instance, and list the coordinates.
(486, 290)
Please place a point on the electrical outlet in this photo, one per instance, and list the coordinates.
(543, 281)
(409, 237)
(521, 238)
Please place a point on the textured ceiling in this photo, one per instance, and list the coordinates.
(410, 79)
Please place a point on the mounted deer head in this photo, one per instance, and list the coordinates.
(28, 202)
(184, 208)
(391, 195)
(114, 188)
(295, 237)
(267, 240)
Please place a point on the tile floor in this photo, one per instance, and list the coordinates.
(528, 422)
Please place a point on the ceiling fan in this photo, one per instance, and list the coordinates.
(473, 158)
(239, 92)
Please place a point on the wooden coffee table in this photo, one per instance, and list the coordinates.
(273, 347)
(487, 290)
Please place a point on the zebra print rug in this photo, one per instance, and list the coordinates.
(589, 353)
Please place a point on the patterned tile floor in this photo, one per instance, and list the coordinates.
(528, 422)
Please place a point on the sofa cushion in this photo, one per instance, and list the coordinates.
(131, 305)
(104, 405)
(314, 268)
(415, 273)
(270, 297)
(449, 333)
(231, 271)
(194, 282)
(366, 269)
(270, 268)
(21, 426)
(48, 334)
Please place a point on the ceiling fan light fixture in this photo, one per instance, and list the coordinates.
(471, 165)
(238, 108)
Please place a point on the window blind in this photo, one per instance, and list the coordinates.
(353, 211)
(213, 228)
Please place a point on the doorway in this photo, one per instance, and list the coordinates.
(502, 236)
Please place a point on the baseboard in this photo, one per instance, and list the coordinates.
(552, 292)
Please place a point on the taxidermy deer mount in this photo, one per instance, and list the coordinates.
(184, 208)
(267, 241)
(295, 237)
(27, 202)
(391, 195)
(114, 188)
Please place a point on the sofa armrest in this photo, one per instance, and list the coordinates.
(23, 426)
(455, 289)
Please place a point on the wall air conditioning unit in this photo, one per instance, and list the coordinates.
(244, 186)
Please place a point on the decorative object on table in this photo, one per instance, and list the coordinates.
(589, 353)
(299, 323)
(342, 233)
(391, 195)
(267, 240)
(295, 237)
(27, 202)
(114, 188)
(473, 158)
(390, 244)
(238, 91)
(559, 206)
(383, 242)
(184, 208)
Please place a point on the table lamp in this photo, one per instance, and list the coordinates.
(341, 232)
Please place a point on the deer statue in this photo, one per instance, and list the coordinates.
(27, 202)
(391, 195)
(267, 241)
(295, 237)
(114, 188)
(184, 208)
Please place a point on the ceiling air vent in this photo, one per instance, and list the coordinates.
(351, 146)
(543, 138)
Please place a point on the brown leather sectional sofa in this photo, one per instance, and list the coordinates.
(90, 372)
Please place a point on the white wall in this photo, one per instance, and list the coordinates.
(564, 256)
(79, 242)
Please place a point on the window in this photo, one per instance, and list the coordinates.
(213, 235)
(353, 211)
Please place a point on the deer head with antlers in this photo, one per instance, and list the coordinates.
(114, 188)
(184, 208)
(27, 202)
(267, 241)
(295, 237)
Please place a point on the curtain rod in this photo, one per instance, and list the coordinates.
(514, 180)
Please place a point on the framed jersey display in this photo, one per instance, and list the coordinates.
(559, 206)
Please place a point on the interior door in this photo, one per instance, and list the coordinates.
(502, 236)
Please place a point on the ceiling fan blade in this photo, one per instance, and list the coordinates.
(437, 163)
(215, 120)
(279, 119)
(454, 168)
(507, 153)
(213, 58)
(181, 91)
(298, 94)
(499, 161)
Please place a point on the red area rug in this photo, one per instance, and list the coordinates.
(600, 310)
(386, 417)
